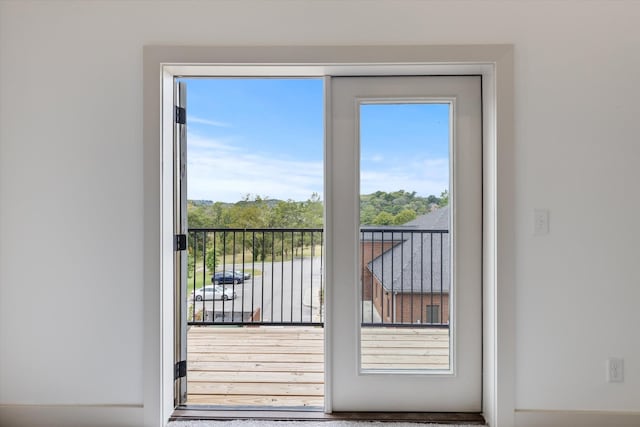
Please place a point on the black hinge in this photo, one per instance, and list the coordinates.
(180, 370)
(181, 116)
(180, 242)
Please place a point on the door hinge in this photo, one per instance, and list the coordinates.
(180, 242)
(181, 115)
(180, 370)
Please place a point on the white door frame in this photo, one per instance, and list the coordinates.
(494, 62)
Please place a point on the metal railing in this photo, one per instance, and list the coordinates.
(274, 277)
(255, 277)
(405, 277)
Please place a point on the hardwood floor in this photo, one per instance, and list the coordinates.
(193, 413)
(284, 366)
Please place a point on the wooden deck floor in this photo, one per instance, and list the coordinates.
(284, 366)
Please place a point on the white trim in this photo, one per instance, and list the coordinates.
(152, 336)
(328, 218)
(70, 415)
(538, 418)
(493, 62)
(166, 241)
(499, 231)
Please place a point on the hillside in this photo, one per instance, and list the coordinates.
(379, 208)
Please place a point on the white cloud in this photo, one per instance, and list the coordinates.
(434, 169)
(221, 172)
(193, 119)
(198, 144)
(426, 177)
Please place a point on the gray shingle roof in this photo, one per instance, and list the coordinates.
(434, 220)
(409, 266)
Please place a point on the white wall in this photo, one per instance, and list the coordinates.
(71, 187)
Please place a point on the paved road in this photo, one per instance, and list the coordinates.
(286, 291)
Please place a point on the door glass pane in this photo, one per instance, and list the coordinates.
(404, 236)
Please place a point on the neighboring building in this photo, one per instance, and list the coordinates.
(406, 269)
(372, 245)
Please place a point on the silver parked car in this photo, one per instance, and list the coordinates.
(213, 292)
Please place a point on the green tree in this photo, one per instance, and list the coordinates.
(249, 214)
(313, 212)
(288, 214)
(404, 216)
(384, 218)
(444, 199)
(395, 202)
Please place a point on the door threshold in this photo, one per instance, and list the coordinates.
(190, 412)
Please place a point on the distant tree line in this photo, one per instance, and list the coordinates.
(256, 212)
(379, 208)
(397, 207)
(251, 213)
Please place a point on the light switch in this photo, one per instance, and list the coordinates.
(540, 222)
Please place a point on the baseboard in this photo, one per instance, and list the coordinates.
(71, 415)
(539, 418)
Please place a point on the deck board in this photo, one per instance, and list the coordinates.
(283, 366)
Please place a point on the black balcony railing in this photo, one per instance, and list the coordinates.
(274, 277)
(405, 277)
(255, 277)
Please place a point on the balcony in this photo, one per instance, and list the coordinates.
(255, 301)
(284, 366)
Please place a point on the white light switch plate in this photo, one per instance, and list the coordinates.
(615, 370)
(540, 222)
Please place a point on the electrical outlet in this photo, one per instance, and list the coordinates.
(615, 370)
(540, 222)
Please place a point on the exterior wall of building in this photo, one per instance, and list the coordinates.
(382, 301)
(370, 250)
(413, 307)
(408, 307)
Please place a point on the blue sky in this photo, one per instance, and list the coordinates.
(265, 137)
